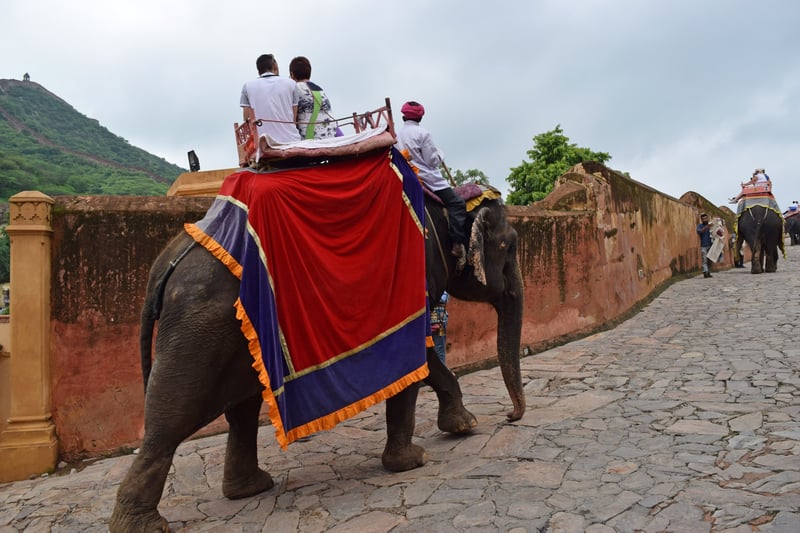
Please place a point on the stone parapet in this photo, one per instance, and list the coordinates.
(590, 252)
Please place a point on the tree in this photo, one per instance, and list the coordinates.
(551, 156)
(470, 176)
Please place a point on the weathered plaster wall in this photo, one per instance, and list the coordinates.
(102, 250)
(598, 245)
(589, 252)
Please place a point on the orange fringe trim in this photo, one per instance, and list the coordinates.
(214, 247)
(263, 376)
(331, 420)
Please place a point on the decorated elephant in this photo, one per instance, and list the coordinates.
(762, 228)
(792, 227)
(202, 368)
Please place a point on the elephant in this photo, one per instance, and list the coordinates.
(191, 294)
(491, 275)
(792, 227)
(762, 229)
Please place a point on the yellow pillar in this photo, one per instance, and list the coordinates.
(28, 444)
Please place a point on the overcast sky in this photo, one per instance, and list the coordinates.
(684, 94)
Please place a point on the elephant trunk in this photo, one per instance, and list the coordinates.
(509, 330)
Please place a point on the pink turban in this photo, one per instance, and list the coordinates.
(412, 110)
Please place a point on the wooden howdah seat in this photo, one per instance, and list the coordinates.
(757, 189)
(371, 130)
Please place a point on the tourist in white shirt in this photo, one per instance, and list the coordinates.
(273, 100)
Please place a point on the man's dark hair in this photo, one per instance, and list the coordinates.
(300, 68)
(265, 63)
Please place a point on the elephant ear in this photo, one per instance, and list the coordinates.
(475, 255)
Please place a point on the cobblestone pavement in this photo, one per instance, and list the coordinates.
(684, 418)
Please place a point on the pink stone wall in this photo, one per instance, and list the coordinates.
(590, 252)
(102, 251)
(595, 247)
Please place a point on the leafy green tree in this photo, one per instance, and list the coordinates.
(552, 155)
(472, 175)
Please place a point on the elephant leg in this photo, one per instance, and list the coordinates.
(757, 261)
(182, 398)
(166, 424)
(453, 416)
(400, 454)
(772, 256)
(242, 476)
(738, 258)
(770, 263)
(136, 508)
(168, 420)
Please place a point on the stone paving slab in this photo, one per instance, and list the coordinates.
(684, 418)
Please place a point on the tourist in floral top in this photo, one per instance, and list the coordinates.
(314, 118)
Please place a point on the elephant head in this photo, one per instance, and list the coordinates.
(492, 275)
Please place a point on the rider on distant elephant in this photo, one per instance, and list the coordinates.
(416, 143)
(759, 176)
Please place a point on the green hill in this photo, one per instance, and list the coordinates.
(46, 145)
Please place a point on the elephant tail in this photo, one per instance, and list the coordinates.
(151, 311)
(147, 323)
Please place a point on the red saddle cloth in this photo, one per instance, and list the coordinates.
(331, 260)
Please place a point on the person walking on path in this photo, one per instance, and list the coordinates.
(704, 232)
(439, 327)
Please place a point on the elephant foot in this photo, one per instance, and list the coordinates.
(243, 487)
(123, 522)
(456, 419)
(402, 459)
(516, 414)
